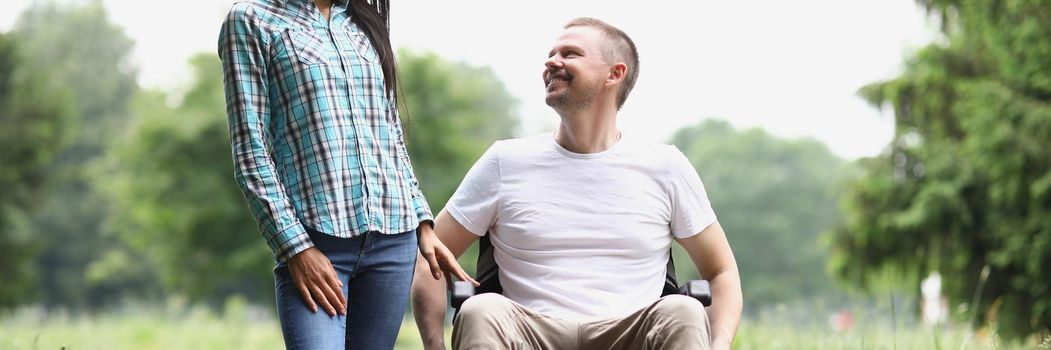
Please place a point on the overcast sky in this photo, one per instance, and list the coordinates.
(789, 67)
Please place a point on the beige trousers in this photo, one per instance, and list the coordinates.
(491, 321)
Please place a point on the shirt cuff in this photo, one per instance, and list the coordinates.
(423, 211)
(291, 241)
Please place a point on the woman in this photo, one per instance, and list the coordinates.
(311, 90)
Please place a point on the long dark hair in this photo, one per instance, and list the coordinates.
(374, 19)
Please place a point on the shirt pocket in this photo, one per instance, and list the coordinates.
(307, 47)
(363, 46)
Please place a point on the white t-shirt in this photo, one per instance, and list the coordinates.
(582, 237)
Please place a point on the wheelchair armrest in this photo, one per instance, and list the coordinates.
(698, 289)
(461, 291)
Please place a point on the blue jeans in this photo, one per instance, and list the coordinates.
(376, 270)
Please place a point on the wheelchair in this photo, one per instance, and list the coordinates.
(488, 277)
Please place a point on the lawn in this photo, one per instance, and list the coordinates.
(241, 327)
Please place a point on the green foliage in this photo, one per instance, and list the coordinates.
(88, 56)
(172, 182)
(455, 113)
(774, 198)
(32, 111)
(966, 184)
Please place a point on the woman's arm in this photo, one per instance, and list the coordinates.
(243, 50)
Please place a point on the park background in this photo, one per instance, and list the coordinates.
(850, 148)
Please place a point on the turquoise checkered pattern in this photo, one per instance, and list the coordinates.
(316, 141)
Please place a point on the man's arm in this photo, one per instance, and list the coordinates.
(713, 258)
(429, 298)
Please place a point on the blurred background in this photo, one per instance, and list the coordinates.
(882, 168)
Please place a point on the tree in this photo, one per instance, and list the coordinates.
(32, 111)
(454, 113)
(173, 183)
(965, 187)
(774, 198)
(87, 55)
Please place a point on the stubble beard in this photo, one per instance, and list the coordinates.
(566, 101)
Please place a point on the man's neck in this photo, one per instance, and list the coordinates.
(588, 130)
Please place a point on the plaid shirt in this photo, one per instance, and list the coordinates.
(316, 141)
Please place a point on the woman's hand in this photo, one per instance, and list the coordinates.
(439, 258)
(317, 282)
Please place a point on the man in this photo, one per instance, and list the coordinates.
(581, 221)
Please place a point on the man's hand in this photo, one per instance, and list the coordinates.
(316, 280)
(439, 258)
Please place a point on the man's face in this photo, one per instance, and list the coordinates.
(575, 70)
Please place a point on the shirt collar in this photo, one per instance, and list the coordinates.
(343, 3)
(307, 7)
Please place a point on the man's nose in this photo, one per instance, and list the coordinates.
(553, 62)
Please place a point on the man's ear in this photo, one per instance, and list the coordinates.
(617, 73)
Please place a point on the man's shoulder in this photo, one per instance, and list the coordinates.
(522, 146)
(654, 151)
(533, 140)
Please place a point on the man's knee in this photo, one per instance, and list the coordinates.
(680, 321)
(485, 321)
(681, 309)
(484, 308)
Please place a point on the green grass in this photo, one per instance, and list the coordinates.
(781, 336)
(809, 326)
(242, 327)
(196, 328)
